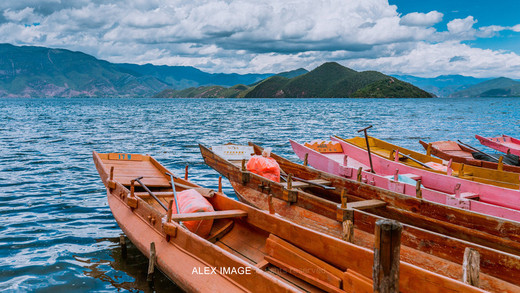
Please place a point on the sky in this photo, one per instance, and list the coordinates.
(422, 38)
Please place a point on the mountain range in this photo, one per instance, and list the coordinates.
(28, 71)
(330, 80)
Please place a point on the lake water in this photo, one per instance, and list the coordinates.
(57, 232)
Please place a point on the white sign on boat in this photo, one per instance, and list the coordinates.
(233, 152)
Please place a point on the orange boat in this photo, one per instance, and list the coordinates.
(451, 150)
(330, 210)
(247, 250)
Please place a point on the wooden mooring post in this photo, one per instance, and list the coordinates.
(386, 256)
(151, 263)
(122, 243)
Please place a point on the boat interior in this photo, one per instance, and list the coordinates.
(229, 231)
(432, 164)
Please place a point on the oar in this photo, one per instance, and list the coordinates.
(174, 192)
(417, 161)
(310, 182)
(368, 147)
(150, 192)
(477, 150)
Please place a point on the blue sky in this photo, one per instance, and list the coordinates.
(503, 13)
(423, 38)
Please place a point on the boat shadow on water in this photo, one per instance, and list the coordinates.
(134, 264)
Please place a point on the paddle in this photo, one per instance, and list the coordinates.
(478, 151)
(150, 192)
(310, 182)
(174, 192)
(417, 161)
(368, 147)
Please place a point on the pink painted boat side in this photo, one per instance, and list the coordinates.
(495, 195)
(334, 163)
(504, 143)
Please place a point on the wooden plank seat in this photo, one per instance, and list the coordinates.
(303, 265)
(209, 215)
(366, 204)
(299, 184)
(206, 192)
(412, 176)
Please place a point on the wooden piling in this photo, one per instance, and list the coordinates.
(122, 243)
(429, 150)
(186, 172)
(387, 245)
(471, 267)
(220, 184)
(244, 165)
(306, 159)
(151, 263)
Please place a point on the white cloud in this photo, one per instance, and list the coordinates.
(462, 26)
(240, 35)
(430, 60)
(20, 15)
(421, 19)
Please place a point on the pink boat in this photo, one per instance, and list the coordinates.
(352, 162)
(504, 143)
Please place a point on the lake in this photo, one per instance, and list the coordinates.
(57, 230)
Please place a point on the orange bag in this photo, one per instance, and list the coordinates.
(264, 166)
(190, 201)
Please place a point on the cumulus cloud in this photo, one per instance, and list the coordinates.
(421, 19)
(235, 36)
(430, 60)
(462, 26)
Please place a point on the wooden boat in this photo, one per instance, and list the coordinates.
(451, 150)
(247, 250)
(417, 160)
(504, 143)
(434, 236)
(339, 163)
(463, 188)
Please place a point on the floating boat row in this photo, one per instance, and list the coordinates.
(359, 215)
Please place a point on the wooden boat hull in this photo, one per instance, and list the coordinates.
(450, 150)
(490, 194)
(179, 251)
(320, 213)
(504, 143)
(335, 163)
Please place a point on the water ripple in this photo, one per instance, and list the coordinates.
(58, 231)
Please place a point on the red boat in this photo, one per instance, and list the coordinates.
(504, 143)
(451, 150)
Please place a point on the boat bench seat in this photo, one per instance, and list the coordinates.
(301, 264)
(366, 204)
(299, 184)
(469, 195)
(209, 215)
(412, 176)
